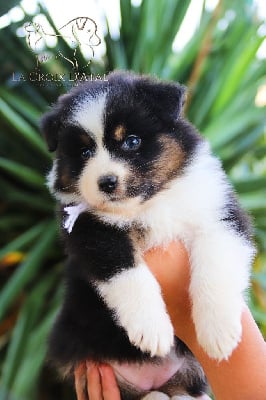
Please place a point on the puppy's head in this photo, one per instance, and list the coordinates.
(117, 142)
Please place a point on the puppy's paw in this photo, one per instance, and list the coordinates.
(156, 396)
(135, 298)
(221, 346)
(219, 333)
(151, 332)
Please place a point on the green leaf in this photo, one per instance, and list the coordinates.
(23, 173)
(239, 66)
(254, 202)
(23, 240)
(28, 269)
(22, 127)
(5, 7)
(19, 197)
(249, 184)
(27, 109)
(28, 339)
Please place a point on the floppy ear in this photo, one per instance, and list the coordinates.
(50, 125)
(166, 98)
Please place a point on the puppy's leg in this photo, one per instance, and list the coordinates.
(187, 397)
(156, 396)
(135, 297)
(220, 264)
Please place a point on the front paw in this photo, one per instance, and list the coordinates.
(219, 332)
(135, 298)
(151, 333)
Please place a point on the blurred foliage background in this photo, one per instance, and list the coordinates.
(226, 100)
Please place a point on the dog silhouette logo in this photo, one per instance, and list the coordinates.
(78, 32)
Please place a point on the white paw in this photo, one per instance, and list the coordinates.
(219, 333)
(135, 297)
(152, 332)
(221, 346)
(155, 396)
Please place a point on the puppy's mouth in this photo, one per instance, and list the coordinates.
(121, 206)
(116, 198)
(122, 200)
(121, 195)
(109, 196)
(114, 201)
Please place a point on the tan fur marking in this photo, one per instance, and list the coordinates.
(165, 167)
(66, 181)
(119, 133)
(138, 236)
(86, 140)
(170, 160)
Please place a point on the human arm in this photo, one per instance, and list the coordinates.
(243, 375)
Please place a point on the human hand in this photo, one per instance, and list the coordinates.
(243, 375)
(97, 382)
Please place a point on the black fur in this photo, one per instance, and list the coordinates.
(236, 217)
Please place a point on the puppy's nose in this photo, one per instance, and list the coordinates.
(108, 183)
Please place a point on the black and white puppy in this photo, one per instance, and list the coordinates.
(135, 174)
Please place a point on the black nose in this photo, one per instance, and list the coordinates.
(108, 183)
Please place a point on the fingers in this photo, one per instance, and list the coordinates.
(79, 381)
(101, 383)
(110, 388)
(94, 385)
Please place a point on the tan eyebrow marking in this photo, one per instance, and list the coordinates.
(119, 133)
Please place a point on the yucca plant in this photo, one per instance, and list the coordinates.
(223, 75)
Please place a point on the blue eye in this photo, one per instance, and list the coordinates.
(86, 153)
(131, 143)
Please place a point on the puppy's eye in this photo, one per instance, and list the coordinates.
(86, 153)
(131, 143)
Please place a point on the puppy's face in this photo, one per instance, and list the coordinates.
(117, 142)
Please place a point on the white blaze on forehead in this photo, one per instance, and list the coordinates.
(103, 164)
(89, 114)
(100, 165)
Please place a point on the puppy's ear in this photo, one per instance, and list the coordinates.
(52, 121)
(50, 125)
(166, 98)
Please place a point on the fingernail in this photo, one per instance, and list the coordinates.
(89, 366)
(103, 368)
(101, 371)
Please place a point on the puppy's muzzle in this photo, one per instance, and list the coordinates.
(108, 183)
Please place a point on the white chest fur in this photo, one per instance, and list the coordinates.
(191, 204)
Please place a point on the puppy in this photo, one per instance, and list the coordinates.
(131, 173)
